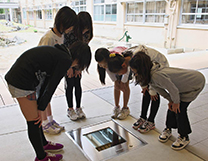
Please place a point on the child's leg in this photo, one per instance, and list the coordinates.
(78, 91)
(126, 94)
(116, 96)
(30, 112)
(69, 91)
(171, 120)
(69, 98)
(145, 104)
(184, 127)
(154, 109)
(78, 96)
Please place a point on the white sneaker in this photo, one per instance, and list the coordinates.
(180, 143)
(55, 124)
(72, 114)
(165, 135)
(50, 129)
(124, 113)
(116, 111)
(80, 113)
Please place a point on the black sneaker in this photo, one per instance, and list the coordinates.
(180, 143)
(166, 134)
(139, 123)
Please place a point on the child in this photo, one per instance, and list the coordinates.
(121, 82)
(32, 80)
(64, 22)
(179, 86)
(83, 32)
(118, 63)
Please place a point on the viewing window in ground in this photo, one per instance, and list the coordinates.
(194, 12)
(149, 11)
(104, 139)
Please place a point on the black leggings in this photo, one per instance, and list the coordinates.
(70, 84)
(37, 138)
(145, 106)
(179, 120)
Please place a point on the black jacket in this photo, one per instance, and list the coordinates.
(53, 61)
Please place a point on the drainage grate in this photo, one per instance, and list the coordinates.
(105, 140)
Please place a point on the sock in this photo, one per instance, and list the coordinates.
(50, 118)
(45, 122)
(35, 137)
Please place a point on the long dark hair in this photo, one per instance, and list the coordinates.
(65, 18)
(100, 55)
(84, 22)
(81, 51)
(142, 63)
(115, 62)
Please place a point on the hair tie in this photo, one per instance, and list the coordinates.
(112, 55)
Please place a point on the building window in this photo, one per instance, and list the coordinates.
(149, 11)
(39, 14)
(194, 12)
(105, 10)
(78, 6)
(24, 13)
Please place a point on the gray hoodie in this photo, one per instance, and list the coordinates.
(176, 84)
(155, 56)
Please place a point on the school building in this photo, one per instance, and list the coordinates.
(162, 23)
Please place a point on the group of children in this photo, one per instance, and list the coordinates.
(64, 52)
(152, 72)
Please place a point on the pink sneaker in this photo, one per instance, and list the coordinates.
(51, 157)
(53, 147)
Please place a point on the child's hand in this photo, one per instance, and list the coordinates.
(77, 73)
(144, 90)
(70, 73)
(154, 98)
(176, 107)
(170, 106)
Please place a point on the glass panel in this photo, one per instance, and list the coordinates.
(130, 7)
(76, 9)
(108, 9)
(138, 18)
(99, 1)
(160, 7)
(159, 18)
(130, 18)
(150, 7)
(104, 139)
(138, 7)
(189, 6)
(150, 18)
(99, 13)
(188, 19)
(114, 9)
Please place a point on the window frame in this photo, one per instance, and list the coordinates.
(74, 6)
(144, 13)
(103, 4)
(194, 24)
